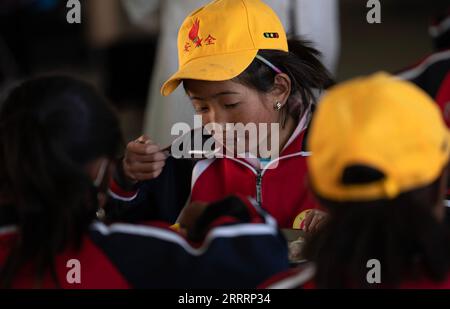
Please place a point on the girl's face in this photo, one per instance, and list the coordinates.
(231, 102)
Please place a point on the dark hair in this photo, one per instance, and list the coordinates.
(303, 67)
(401, 233)
(50, 127)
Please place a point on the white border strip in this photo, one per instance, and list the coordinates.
(296, 280)
(198, 170)
(246, 229)
(8, 229)
(121, 198)
(443, 26)
(297, 154)
(416, 71)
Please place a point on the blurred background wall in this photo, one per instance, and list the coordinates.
(118, 57)
(399, 41)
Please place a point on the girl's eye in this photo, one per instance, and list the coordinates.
(201, 110)
(230, 106)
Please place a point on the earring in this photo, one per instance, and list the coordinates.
(278, 106)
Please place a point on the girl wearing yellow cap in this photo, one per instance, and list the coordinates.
(237, 66)
(385, 193)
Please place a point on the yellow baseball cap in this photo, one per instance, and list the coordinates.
(381, 122)
(220, 40)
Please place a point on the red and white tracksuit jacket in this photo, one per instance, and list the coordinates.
(432, 74)
(282, 191)
(302, 277)
(152, 255)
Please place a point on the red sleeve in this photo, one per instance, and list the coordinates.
(118, 193)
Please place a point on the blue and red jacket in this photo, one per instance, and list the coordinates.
(232, 253)
(432, 74)
(302, 277)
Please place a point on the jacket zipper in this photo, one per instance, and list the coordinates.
(259, 177)
(260, 174)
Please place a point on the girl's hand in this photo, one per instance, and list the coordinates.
(143, 160)
(314, 220)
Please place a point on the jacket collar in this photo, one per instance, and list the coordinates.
(296, 143)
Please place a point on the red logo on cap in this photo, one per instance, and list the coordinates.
(195, 38)
(193, 34)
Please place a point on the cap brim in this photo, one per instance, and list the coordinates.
(211, 68)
